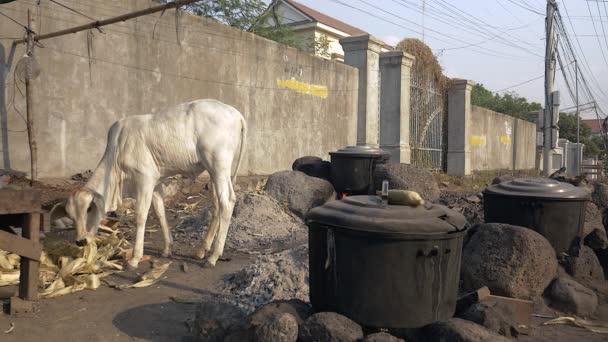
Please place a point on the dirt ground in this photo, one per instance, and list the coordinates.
(150, 314)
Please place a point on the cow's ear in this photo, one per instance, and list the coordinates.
(58, 211)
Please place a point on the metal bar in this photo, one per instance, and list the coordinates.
(105, 22)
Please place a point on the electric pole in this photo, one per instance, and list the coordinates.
(549, 122)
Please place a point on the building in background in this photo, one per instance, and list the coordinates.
(314, 27)
(596, 126)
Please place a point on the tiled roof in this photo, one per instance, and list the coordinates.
(595, 124)
(326, 20)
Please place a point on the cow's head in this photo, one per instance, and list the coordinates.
(86, 209)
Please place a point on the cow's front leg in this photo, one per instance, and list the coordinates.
(144, 199)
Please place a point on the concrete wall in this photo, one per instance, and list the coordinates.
(295, 104)
(499, 141)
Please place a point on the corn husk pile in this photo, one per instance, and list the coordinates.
(65, 268)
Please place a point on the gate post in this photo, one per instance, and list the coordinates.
(363, 52)
(395, 73)
(459, 128)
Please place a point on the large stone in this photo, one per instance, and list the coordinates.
(566, 295)
(313, 167)
(460, 330)
(299, 192)
(511, 261)
(585, 268)
(215, 320)
(282, 328)
(597, 239)
(297, 308)
(497, 317)
(407, 177)
(382, 337)
(330, 327)
(593, 219)
(602, 256)
(599, 196)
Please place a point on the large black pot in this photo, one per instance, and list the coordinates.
(352, 169)
(555, 210)
(385, 266)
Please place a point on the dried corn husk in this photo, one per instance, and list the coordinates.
(91, 280)
(67, 290)
(9, 278)
(73, 267)
(57, 285)
(593, 326)
(152, 276)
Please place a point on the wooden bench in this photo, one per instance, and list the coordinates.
(23, 206)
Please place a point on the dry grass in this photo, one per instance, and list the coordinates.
(478, 181)
(426, 62)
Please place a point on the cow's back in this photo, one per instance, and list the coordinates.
(176, 138)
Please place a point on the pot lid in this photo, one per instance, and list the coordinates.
(538, 187)
(369, 214)
(362, 151)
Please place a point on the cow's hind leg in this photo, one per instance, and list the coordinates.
(158, 204)
(226, 199)
(144, 196)
(212, 229)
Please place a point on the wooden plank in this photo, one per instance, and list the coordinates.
(28, 280)
(520, 307)
(24, 247)
(465, 301)
(45, 221)
(20, 201)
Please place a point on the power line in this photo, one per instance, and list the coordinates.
(585, 62)
(493, 53)
(71, 9)
(14, 21)
(525, 7)
(595, 29)
(468, 25)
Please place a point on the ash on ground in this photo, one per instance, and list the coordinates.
(279, 276)
(468, 204)
(259, 223)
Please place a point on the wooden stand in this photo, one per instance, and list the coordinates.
(23, 206)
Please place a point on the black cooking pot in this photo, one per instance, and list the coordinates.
(385, 266)
(352, 169)
(554, 209)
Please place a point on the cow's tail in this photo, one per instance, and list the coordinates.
(241, 149)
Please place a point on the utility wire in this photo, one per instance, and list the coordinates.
(525, 7)
(584, 60)
(595, 29)
(468, 26)
(493, 53)
(73, 10)
(14, 21)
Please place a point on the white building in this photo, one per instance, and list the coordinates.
(312, 25)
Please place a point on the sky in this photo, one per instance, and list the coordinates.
(498, 43)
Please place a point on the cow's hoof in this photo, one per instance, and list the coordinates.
(212, 260)
(132, 266)
(201, 253)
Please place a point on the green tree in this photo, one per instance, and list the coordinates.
(567, 130)
(253, 16)
(510, 103)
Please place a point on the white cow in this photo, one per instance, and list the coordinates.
(142, 150)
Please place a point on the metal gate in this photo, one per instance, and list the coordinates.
(427, 120)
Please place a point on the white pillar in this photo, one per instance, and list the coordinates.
(363, 52)
(459, 128)
(395, 74)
